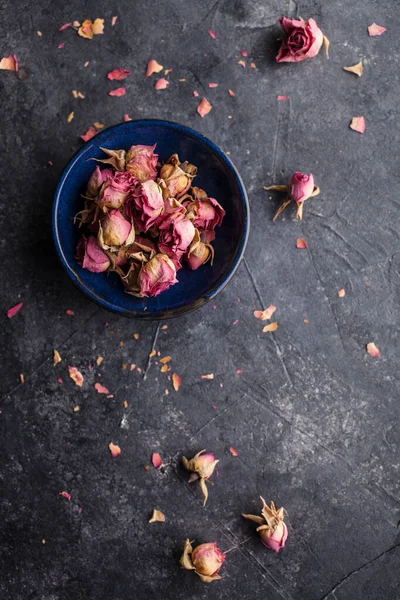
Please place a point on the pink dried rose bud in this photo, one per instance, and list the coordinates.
(115, 230)
(303, 40)
(205, 560)
(115, 190)
(90, 256)
(301, 186)
(201, 467)
(156, 276)
(206, 213)
(145, 205)
(177, 176)
(198, 253)
(176, 234)
(141, 162)
(96, 180)
(272, 529)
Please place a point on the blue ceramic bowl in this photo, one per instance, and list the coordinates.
(216, 174)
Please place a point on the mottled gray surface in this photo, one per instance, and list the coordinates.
(313, 417)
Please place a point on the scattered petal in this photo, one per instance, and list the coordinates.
(113, 21)
(61, 45)
(231, 93)
(195, 94)
(156, 460)
(301, 243)
(265, 314)
(56, 357)
(358, 124)
(91, 132)
(39, 33)
(98, 125)
(9, 63)
(153, 67)
(70, 117)
(373, 350)
(131, 368)
(161, 84)
(356, 69)
(99, 360)
(76, 376)
(239, 371)
(165, 369)
(114, 449)
(242, 63)
(127, 118)
(118, 74)
(165, 359)
(375, 29)
(65, 495)
(65, 26)
(204, 107)
(235, 322)
(70, 312)
(279, 98)
(98, 26)
(117, 92)
(213, 85)
(22, 378)
(157, 516)
(136, 336)
(14, 309)
(208, 376)
(101, 389)
(243, 53)
(341, 293)
(271, 327)
(60, 380)
(85, 30)
(233, 451)
(176, 381)
(164, 327)
(74, 93)
(253, 65)
(182, 79)
(168, 71)
(76, 24)
(212, 34)
(76, 409)
(86, 64)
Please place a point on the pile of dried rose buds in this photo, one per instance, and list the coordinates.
(144, 218)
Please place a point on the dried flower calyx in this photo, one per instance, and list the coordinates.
(272, 529)
(205, 560)
(201, 467)
(301, 187)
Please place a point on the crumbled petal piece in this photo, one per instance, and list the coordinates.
(208, 376)
(233, 451)
(358, 124)
(113, 21)
(9, 63)
(231, 93)
(132, 367)
(373, 350)
(65, 495)
(118, 74)
(157, 516)
(356, 69)
(165, 359)
(70, 117)
(341, 293)
(22, 378)
(98, 26)
(61, 45)
(14, 309)
(136, 336)
(153, 67)
(375, 29)
(301, 243)
(212, 34)
(195, 94)
(85, 30)
(60, 380)
(76, 376)
(98, 125)
(242, 63)
(280, 98)
(101, 389)
(56, 357)
(156, 460)
(65, 26)
(265, 314)
(204, 107)
(213, 85)
(243, 53)
(121, 91)
(114, 449)
(271, 327)
(253, 65)
(127, 118)
(176, 381)
(91, 132)
(161, 84)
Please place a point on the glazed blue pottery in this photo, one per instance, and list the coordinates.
(216, 174)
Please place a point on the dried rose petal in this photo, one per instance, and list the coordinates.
(9, 63)
(113, 21)
(14, 309)
(114, 449)
(61, 45)
(98, 125)
(231, 93)
(243, 53)
(117, 92)
(176, 381)
(99, 360)
(91, 132)
(356, 69)
(161, 84)
(165, 359)
(271, 327)
(301, 243)
(153, 67)
(341, 293)
(242, 63)
(195, 94)
(212, 34)
(118, 74)
(127, 118)
(65, 495)
(253, 65)
(70, 312)
(65, 26)
(152, 353)
(375, 29)
(156, 460)
(22, 378)
(373, 350)
(101, 389)
(85, 30)
(98, 26)
(76, 376)
(70, 117)
(208, 376)
(358, 124)
(204, 107)
(56, 357)
(233, 451)
(157, 516)
(213, 85)
(265, 314)
(60, 380)
(279, 98)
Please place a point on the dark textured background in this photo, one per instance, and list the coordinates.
(313, 417)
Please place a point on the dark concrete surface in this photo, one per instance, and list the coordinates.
(314, 418)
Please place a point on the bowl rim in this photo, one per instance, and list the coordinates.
(168, 312)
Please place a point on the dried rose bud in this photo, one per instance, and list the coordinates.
(141, 251)
(115, 230)
(90, 256)
(176, 234)
(202, 467)
(177, 176)
(157, 275)
(303, 40)
(206, 213)
(145, 205)
(205, 560)
(272, 530)
(198, 253)
(301, 186)
(96, 180)
(141, 162)
(115, 190)
(116, 158)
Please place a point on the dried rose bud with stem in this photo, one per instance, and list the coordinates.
(201, 467)
(272, 530)
(205, 560)
(177, 176)
(301, 187)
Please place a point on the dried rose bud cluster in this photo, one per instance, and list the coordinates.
(144, 219)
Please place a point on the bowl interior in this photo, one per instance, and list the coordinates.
(216, 175)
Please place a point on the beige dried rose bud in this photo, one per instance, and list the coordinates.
(115, 230)
(201, 467)
(177, 176)
(205, 560)
(198, 253)
(272, 530)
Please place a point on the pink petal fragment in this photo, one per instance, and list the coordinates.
(14, 309)
(212, 34)
(243, 53)
(242, 63)
(70, 312)
(118, 74)
(161, 84)
(358, 124)
(127, 118)
(279, 98)
(114, 449)
(98, 26)
(156, 460)
(61, 45)
(208, 376)
(213, 85)
(91, 132)
(231, 93)
(65, 495)
(265, 314)
(270, 327)
(233, 451)
(204, 107)
(195, 94)
(239, 371)
(117, 92)
(60, 380)
(373, 350)
(76, 376)
(235, 322)
(375, 29)
(113, 21)
(65, 26)
(253, 65)
(176, 381)
(301, 243)
(9, 63)
(101, 389)
(341, 293)
(153, 67)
